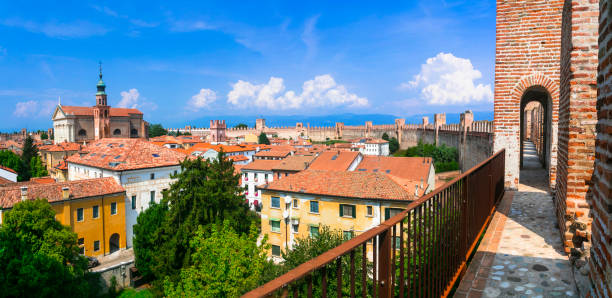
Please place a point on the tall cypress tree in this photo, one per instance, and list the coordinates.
(27, 153)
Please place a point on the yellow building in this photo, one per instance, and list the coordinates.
(54, 156)
(94, 209)
(251, 138)
(353, 202)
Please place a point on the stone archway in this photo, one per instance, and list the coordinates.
(114, 243)
(543, 121)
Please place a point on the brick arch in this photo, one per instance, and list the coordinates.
(533, 80)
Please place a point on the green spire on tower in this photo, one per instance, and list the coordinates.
(101, 86)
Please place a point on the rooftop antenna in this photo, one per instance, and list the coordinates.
(59, 100)
(100, 64)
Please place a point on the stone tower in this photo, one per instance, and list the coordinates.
(101, 111)
(217, 131)
(527, 68)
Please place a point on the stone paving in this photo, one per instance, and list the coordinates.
(521, 254)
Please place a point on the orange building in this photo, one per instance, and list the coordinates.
(94, 209)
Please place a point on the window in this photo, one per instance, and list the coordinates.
(347, 210)
(397, 242)
(96, 245)
(370, 211)
(152, 196)
(113, 208)
(175, 171)
(391, 212)
(133, 202)
(82, 250)
(275, 202)
(82, 132)
(295, 227)
(152, 176)
(314, 206)
(80, 214)
(81, 241)
(347, 235)
(314, 231)
(275, 224)
(117, 132)
(96, 211)
(295, 203)
(276, 250)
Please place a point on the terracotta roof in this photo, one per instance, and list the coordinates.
(8, 169)
(59, 147)
(62, 165)
(4, 181)
(262, 165)
(295, 163)
(10, 195)
(341, 184)
(237, 168)
(88, 111)
(42, 180)
(334, 160)
(273, 153)
(411, 168)
(238, 157)
(126, 154)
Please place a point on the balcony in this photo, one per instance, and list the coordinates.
(422, 251)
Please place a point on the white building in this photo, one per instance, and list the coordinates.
(7, 175)
(141, 167)
(370, 146)
(256, 173)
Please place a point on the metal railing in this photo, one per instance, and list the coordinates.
(433, 239)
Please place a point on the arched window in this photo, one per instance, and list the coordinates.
(105, 114)
(117, 132)
(134, 132)
(82, 133)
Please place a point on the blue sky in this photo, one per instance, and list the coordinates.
(181, 62)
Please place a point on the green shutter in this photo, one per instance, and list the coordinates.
(354, 213)
(387, 212)
(341, 213)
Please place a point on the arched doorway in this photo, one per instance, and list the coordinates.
(114, 243)
(535, 127)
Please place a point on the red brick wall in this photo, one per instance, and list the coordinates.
(601, 260)
(527, 55)
(577, 119)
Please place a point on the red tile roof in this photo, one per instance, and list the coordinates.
(295, 163)
(341, 184)
(126, 154)
(273, 153)
(42, 180)
(59, 147)
(88, 111)
(238, 157)
(261, 165)
(10, 195)
(334, 160)
(411, 168)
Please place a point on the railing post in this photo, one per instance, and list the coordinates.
(384, 269)
(465, 219)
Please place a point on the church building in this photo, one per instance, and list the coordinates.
(79, 124)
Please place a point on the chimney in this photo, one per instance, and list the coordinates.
(416, 190)
(421, 182)
(65, 192)
(24, 193)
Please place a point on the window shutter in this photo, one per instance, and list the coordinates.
(387, 213)
(341, 211)
(354, 213)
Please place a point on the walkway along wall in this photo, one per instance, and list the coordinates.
(577, 119)
(600, 261)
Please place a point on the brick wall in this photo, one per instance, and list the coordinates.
(527, 56)
(601, 260)
(577, 119)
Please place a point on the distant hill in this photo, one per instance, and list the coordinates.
(329, 120)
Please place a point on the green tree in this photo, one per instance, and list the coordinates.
(156, 130)
(12, 161)
(39, 256)
(225, 264)
(44, 136)
(27, 153)
(241, 126)
(263, 139)
(393, 145)
(146, 239)
(36, 167)
(444, 158)
(385, 136)
(205, 193)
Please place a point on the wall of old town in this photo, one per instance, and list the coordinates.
(601, 259)
(577, 119)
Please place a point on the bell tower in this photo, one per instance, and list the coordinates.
(101, 111)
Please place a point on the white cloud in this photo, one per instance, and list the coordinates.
(33, 108)
(318, 92)
(201, 100)
(446, 79)
(189, 26)
(78, 29)
(309, 37)
(131, 99)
